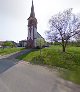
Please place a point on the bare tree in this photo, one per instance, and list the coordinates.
(77, 37)
(64, 26)
(52, 36)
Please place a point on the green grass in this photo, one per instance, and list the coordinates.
(68, 62)
(10, 50)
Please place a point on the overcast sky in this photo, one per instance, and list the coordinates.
(14, 15)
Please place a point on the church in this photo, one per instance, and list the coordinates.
(33, 35)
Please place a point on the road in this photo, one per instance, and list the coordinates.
(19, 76)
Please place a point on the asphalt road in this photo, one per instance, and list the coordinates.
(19, 76)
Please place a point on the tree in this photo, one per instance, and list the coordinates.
(7, 43)
(51, 36)
(77, 37)
(64, 26)
(40, 42)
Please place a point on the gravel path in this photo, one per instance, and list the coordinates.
(19, 76)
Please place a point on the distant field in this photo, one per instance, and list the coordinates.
(68, 63)
(9, 50)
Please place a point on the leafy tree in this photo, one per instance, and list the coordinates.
(40, 42)
(64, 26)
(8, 43)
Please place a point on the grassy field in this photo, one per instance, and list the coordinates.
(9, 50)
(68, 63)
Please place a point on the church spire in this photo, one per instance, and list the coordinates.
(32, 10)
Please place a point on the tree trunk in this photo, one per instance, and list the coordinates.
(63, 44)
(63, 48)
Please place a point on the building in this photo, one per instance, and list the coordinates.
(1, 43)
(22, 43)
(32, 29)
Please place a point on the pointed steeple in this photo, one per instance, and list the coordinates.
(32, 11)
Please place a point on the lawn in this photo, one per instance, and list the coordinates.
(10, 50)
(68, 63)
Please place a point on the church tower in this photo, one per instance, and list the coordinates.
(32, 29)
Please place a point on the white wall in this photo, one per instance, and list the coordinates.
(35, 35)
(31, 33)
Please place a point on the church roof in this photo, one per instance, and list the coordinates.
(39, 36)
